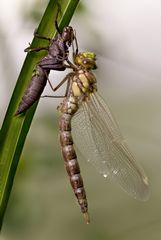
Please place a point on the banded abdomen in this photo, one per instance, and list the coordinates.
(34, 89)
(67, 109)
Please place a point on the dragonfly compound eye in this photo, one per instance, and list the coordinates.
(86, 60)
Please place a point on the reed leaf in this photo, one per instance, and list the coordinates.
(15, 128)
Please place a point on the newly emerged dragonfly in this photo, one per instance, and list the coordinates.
(86, 121)
(86, 116)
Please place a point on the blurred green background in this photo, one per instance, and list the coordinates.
(126, 38)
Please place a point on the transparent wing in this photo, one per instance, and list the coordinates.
(98, 138)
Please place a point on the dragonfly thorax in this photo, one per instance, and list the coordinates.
(83, 82)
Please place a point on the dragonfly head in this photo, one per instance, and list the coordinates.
(86, 60)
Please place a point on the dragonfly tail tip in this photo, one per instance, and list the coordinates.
(86, 217)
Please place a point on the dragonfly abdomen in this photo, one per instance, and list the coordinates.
(70, 157)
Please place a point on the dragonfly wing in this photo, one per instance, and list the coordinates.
(98, 138)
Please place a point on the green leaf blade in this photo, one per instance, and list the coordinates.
(15, 128)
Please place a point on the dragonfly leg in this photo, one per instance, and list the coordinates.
(51, 96)
(53, 89)
(63, 81)
(67, 78)
(30, 49)
(71, 65)
(56, 19)
(41, 37)
(36, 34)
(75, 51)
(63, 96)
(66, 65)
(68, 88)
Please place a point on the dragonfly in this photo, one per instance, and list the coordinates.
(86, 121)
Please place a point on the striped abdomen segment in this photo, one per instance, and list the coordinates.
(34, 89)
(71, 162)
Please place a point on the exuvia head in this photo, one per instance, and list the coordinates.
(86, 60)
(68, 35)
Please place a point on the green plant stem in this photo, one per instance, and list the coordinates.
(14, 129)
